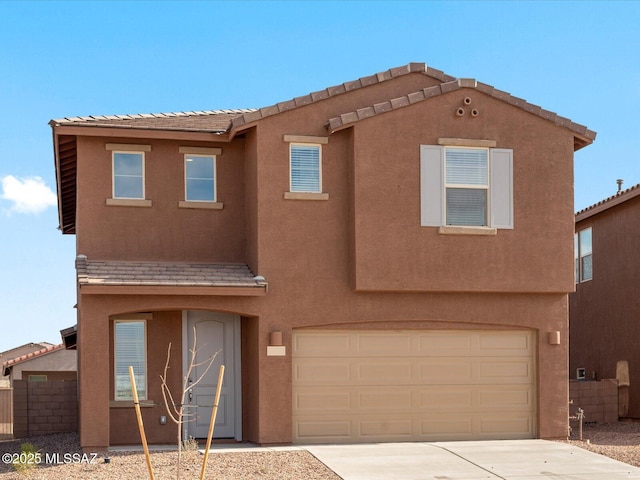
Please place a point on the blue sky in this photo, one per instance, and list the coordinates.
(57, 59)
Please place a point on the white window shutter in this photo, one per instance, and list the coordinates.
(501, 186)
(431, 186)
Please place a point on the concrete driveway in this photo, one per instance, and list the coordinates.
(500, 459)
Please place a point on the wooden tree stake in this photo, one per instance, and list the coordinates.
(214, 412)
(136, 403)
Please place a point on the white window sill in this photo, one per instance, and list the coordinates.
(128, 202)
(467, 231)
(305, 196)
(203, 205)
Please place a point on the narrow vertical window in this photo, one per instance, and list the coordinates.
(128, 175)
(305, 168)
(200, 178)
(467, 186)
(585, 255)
(130, 350)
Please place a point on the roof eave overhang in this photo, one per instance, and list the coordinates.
(150, 133)
(607, 204)
(230, 291)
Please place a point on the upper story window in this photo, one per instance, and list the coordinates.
(467, 186)
(128, 175)
(583, 253)
(466, 183)
(200, 176)
(130, 349)
(305, 168)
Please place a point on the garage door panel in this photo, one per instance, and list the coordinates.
(381, 346)
(445, 344)
(506, 344)
(456, 398)
(321, 343)
(514, 371)
(323, 430)
(376, 372)
(487, 392)
(309, 400)
(512, 426)
(316, 372)
(448, 371)
(502, 398)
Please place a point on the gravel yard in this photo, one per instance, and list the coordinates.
(297, 464)
(620, 441)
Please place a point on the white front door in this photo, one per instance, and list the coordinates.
(215, 332)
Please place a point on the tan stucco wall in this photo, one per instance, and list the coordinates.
(60, 360)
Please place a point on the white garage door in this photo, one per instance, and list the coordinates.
(413, 385)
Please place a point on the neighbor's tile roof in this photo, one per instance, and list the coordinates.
(29, 356)
(91, 272)
(609, 202)
(213, 121)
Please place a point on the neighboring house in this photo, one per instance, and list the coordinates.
(18, 352)
(385, 260)
(47, 364)
(604, 309)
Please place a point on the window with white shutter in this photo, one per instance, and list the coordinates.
(466, 187)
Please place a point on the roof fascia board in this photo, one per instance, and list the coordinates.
(257, 291)
(128, 132)
(607, 204)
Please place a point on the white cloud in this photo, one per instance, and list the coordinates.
(29, 195)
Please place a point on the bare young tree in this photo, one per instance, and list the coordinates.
(176, 410)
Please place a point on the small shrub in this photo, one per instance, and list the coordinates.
(28, 459)
(190, 444)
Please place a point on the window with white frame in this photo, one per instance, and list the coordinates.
(305, 168)
(130, 349)
(128, 175)
(583, 255)
(200, 175)
(466, 186)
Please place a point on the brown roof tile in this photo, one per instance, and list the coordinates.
(609, 202)
(347, 118)
(92, 272)
(214, 121)
(29, 356)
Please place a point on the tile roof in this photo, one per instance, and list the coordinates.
(165, 274)
(212, 121)
(223, 121)
(29, 356)
(609, 202)
(380, 77)
(348, 118)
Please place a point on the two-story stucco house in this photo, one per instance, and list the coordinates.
(385, 260)
(604, 309)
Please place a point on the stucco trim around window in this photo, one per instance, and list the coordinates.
(467, 231)
(305, 196)
(466, 142)
(201, 205)
(306, 139)
(128, 147)
(128, 202)
(200, 150)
